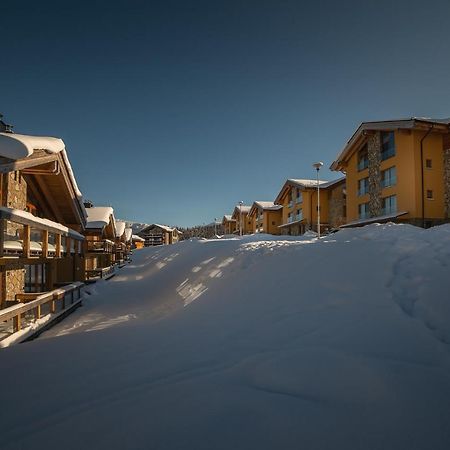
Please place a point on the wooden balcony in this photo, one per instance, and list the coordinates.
(101, 246)
(25, 236)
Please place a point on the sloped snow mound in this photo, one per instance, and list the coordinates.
(258, 342)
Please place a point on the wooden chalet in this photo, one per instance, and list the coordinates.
(42, 219)
(101, 237)
(157, 234)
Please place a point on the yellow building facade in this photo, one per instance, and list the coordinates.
(298, 199)
(228, 224)
(397, 170)
(243, 220)
(267, 217)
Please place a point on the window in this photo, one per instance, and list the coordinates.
(363, 210)
(299, 214)
(428, 163)
(299, 198)
(363, 186)
(429, 194)
(35, 277)
(389, 177)
(390, 204)
(363, 158)
(387, 145)
(289, 218)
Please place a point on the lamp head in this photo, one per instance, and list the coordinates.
(318, 165)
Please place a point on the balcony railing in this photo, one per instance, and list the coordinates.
(26, 236)
(34, 306)
(103, 246)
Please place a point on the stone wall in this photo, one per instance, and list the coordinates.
(447, 182)
(16, 197)
(14, 280)
(336, 206)
(374, 156)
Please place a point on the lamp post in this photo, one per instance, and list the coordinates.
(215, 226)
(240, 217)
(317, 166)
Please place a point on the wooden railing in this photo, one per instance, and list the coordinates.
(23, 235)
(100, 272)
(104, 246)
(58, 299)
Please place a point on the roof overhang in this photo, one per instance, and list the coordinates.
(358, 137)
(378, 219)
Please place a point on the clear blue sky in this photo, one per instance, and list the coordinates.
(172, 112)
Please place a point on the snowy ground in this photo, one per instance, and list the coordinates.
(252, 343)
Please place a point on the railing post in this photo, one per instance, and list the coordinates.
(45, 243)
(68, 246)
(2, 236)
(58, 246)
(26, 241)
(17, 325)
(53, 304)
(38, 312)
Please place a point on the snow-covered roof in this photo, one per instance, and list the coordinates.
(268, 205)
(98, 216)
(228, 218)
(384, 218)
(128, 233)
(120, 228)
(18, 146)
(137, 238)
(243, 208)
(163, 227)
(306, 183)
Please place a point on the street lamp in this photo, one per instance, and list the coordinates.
(215, 226)
(317, 166)
(240, 217)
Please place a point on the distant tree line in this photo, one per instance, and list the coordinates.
(201, 231)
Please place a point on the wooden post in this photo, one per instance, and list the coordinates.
(26, 241)
(58, 246)
(38, 312)
(45, 243)
(17, 325)
(2, 236)
(68, 246)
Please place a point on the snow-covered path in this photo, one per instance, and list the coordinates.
(264, 342)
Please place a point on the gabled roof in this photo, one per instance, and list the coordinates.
(120, 228)
(228, 218)
(156, 225)
(135, 237)
(354, 143)
(99, 216)
(305, 184)
(128, 233)
(241, 209)
(265, 206)
(17, 146)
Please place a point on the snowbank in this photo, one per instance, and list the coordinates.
(248, 343)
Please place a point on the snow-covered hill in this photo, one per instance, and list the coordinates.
(252, 343)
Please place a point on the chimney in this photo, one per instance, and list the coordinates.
(4, 127)
(88, 204)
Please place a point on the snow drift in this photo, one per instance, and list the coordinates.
(248, 343)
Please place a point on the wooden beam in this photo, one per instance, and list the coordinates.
(44, 244)
(58, 245)
(43, 203)
(46, 193)
(26, 241)
(2, 236)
